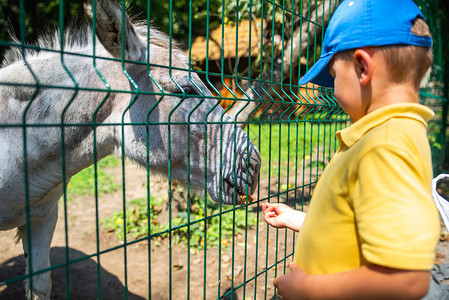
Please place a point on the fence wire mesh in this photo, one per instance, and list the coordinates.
(196, 127)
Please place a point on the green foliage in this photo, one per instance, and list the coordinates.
(175, 16)
(188, 226)
(40, 16)
(179, 14)
(83, 183)
(245, 9)
(282, 145)
(137, 217)
(221, 225)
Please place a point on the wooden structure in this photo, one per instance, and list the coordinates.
(231, 40)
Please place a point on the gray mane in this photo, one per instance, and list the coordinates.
(77, 40)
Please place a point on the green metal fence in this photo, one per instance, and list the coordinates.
(125, 232)
(433, 89)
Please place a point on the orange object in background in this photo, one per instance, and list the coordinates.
(229, 98)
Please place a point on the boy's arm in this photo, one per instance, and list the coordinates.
(366, 282)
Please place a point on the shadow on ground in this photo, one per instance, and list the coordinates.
(82, 278)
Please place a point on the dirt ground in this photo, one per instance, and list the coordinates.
(175, 273)
(247, 263)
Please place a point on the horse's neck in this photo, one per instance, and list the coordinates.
(44, 111)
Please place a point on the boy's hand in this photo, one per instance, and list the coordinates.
(280, 215)
(289, 286)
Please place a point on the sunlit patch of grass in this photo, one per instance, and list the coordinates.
(137, 217)
(83, 183)
(194, 227)
(283, 146)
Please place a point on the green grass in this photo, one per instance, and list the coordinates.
(136, 219)
(83, 183)
(219, 230)
(283, 146)
(220, 226)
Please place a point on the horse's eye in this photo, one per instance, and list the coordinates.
(190, 90)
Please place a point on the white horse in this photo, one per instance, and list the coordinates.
(58, 108)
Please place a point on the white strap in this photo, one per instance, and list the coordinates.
(441, 203)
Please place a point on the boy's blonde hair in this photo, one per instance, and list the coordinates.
(406, 62)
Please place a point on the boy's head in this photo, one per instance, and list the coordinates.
(395, 27)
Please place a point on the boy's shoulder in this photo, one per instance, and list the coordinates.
(398, 125)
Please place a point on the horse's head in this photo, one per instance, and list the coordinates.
(175, 125)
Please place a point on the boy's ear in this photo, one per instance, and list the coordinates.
(363, 64)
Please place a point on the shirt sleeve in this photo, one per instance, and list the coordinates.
(396, 219)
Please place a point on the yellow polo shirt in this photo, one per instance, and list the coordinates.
(373, 202)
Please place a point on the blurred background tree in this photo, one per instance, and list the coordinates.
(176, 16)
(39, 17)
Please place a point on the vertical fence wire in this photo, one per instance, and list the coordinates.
(292, 126)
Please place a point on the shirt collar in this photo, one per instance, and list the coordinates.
(353, 133)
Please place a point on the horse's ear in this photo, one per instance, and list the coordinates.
(108, 16)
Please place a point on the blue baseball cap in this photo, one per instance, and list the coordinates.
(362, 23)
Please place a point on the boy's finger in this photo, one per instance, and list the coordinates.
(275, 282)
(270, 214)
(266, 207)
(293, 267)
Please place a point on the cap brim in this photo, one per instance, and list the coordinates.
(319, 73)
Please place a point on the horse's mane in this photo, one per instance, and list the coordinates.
(78, 39)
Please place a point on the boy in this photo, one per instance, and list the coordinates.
(371, 228)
